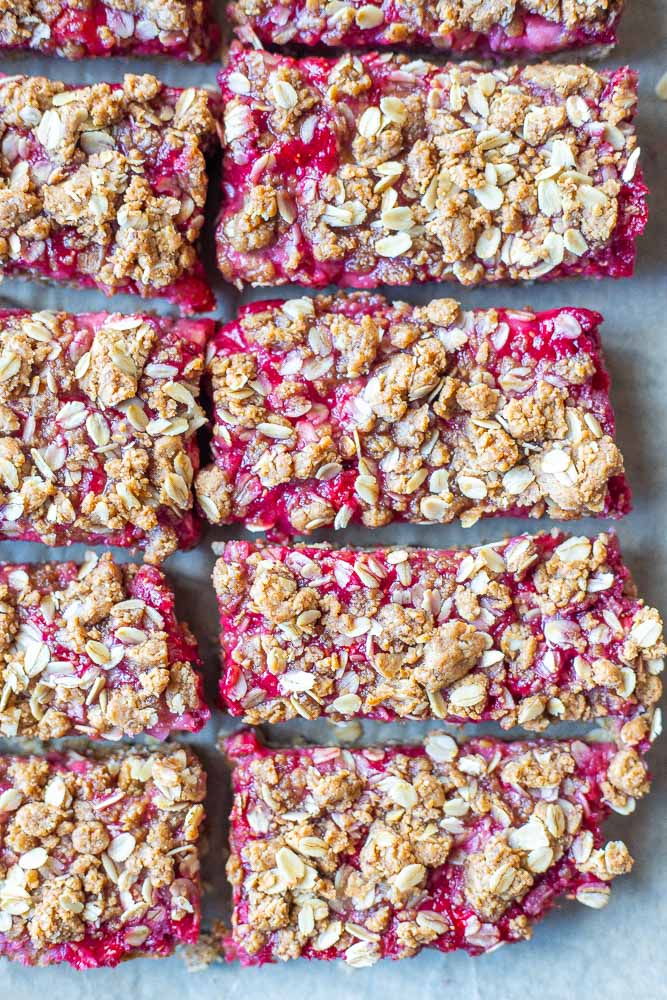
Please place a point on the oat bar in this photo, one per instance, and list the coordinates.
(373, 169)
(104, 186)
(350, 408)
(95, 649)
(98, 857)
(526, 28)
(78, 28)
(363, 854)
(526, 631)
(98, 414)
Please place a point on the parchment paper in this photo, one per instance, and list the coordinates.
(616, 953)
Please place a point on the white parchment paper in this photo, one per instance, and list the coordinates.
(614, 954)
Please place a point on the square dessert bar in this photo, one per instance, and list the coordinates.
(98, 417)
(377, 853)
(96, 650)
(350, 408)
(496, 28)
(526, 631)
(177, 28)
(374, 169)
(98, 857)
(103, 186)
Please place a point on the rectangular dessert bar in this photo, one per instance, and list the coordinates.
(78, 28)
(96, 650)
(526, 631)
(350, 408)
(373, 169)
(497, 28)
(377, 853)
(98, 415)
(103, 186)
(98, 857)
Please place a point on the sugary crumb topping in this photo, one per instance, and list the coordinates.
(527, 631)
(105, 27)
(349, 408)
(535, 26)
(104, 185)
(98, 858)
(375, 169)
(94, 650)
(98, 414)
(378, 853)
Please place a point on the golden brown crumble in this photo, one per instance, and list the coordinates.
(99, 414)
(64, 630)
(333, 849)
(90, 848)
(93, 170)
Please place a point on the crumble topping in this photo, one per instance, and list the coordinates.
(415, 172)
(377, 853)
(105, 27)
(526, 631)
(98, 414)
(105, 185)
(98, 858)
(350, 408)
(536, 26)
(94, 650)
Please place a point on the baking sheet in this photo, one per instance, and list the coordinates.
(576, 952)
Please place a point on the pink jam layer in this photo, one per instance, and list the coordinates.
(538, 37)
(107, 946)
(189, 338)
(58, 262)
(310, 162)
(444, 890)
(82, 28)
(531, 337)
(239, 623)
(149, 585)
(85, 29)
